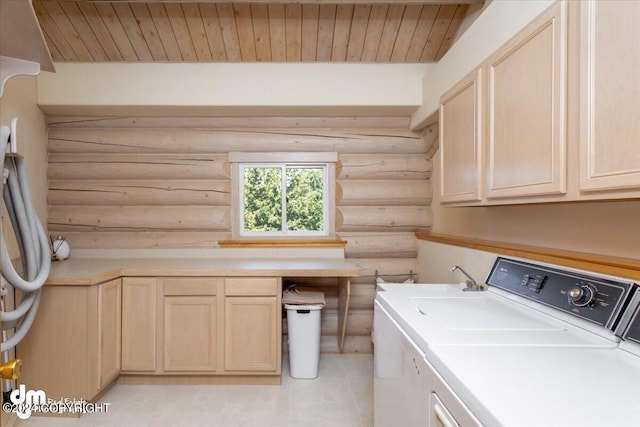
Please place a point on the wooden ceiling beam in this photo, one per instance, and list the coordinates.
(250, 30)
(423, 2)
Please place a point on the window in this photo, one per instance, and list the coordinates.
(283, 199)
(292, 198)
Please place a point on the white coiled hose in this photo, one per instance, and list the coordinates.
(35, 253)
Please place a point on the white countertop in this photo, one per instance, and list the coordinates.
(89, 271)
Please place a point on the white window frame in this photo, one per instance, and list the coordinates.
(240, 161)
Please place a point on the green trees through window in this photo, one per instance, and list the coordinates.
(288, 198)
(305, 199)
(263, 199)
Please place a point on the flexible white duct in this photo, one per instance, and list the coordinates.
(32, 241)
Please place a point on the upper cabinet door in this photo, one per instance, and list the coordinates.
(461, 141)
(526, 84)
(610, 95)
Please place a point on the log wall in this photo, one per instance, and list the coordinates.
(141, 183)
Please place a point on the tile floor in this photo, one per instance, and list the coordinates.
(341, 396)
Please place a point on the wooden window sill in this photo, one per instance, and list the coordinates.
(282, 243)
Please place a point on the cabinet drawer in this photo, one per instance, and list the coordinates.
(190, 286)
(252, 286)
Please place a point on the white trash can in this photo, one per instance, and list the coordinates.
(303, 324)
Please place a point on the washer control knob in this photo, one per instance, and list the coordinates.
(582, 295)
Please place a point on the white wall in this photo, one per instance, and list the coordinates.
(501, 20)
(608, 228)
(19, 100)
(435, 261)
(232, 89)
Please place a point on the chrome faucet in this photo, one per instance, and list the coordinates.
(472, 285)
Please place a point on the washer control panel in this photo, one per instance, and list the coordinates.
(596, 299)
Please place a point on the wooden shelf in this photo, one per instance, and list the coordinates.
(616, 266)
(22, 46)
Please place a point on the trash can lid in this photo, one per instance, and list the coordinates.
(303, 297)
(311, 307)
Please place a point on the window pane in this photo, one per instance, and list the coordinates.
(305, 199)
(262, 199)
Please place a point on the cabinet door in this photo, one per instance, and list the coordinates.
(109, 329)
(610, 95)
(139, 324)
(190, 333)
(252, 334)
(461, 141)
(526, 84)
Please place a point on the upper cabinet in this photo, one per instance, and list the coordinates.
(610, 95)
(526, 110)
(461, 141)
(551, 116)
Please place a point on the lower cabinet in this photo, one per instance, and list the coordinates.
(252, 334)
(253, 324)
(139, 324)
(190, 325)
(190, 334)
(201, 325)
(85, 336)
(109, 327)
(73, 347)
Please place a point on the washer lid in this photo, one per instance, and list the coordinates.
(481, 318)
(482, 314)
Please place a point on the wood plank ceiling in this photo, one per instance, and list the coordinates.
(209, 31)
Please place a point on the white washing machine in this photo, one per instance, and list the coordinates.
(527, 352)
